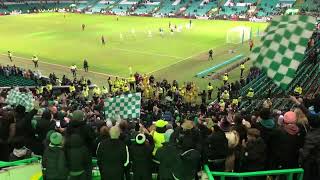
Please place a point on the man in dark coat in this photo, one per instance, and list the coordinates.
(310, 156)
(216, 149)
(112, 156)
(165, 156)
(141, 157)
(42, 127)
(23, 121)
(79, 126)
(188, 156)
(78, 157)
(285, 143)
(54, 165)
(266, 125)
(254, 152)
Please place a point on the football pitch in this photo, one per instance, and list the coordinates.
(59, 41)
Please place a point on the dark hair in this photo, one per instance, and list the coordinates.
(238, 118)
(265, 113)
(18, 142)
(46, 115)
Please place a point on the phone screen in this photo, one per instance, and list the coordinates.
(58, 124)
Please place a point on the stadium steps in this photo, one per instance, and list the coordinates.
(16, 81)
(314, 85)
(298, 4)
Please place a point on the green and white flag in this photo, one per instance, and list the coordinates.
(15, 98)
(126, 106)
(283, 47)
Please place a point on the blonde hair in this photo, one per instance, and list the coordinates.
(114, 132)
(301, 118)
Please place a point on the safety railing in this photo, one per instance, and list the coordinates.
(37, 159)
(289, 173)
(19, 162)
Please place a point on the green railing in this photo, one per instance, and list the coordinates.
(287, 172)
(37, 159)
(20, 162)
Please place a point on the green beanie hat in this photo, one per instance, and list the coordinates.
(56, 138)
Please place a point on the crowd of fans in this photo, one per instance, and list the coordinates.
(173, 137)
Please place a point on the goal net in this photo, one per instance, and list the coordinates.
(238, 35)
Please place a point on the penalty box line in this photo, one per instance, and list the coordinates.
(44, 62)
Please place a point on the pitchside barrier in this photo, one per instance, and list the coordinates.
(30, 169)
(212, 69)
(289, 173)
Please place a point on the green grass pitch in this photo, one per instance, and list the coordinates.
(58, 40)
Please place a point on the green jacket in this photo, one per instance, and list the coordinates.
(54, 165)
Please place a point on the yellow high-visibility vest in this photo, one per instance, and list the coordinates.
(210, 88)
(250, 94)
(49, 87)
(298, 90)
(72, 88)
(225, 78)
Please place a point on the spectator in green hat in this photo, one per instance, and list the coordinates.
(54, 165)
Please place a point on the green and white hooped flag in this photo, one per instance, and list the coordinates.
(124, 106)
(15, 98)
(283, 46)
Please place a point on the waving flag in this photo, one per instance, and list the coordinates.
(126, 106)
(283, 47)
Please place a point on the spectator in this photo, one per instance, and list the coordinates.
(78, 157)
(112, 153)
(165, 156)
(141, 157)
(20, 151)
(289, 141)
(78, 126)
(158, 134)
(254, 152)
(216, 149)
(54, 164)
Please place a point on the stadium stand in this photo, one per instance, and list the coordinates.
(200, 8)
(171, 7)
(311, 5)
(267, 7)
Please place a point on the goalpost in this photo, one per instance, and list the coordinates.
(239, 35)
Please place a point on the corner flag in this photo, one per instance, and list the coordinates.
(282, 47)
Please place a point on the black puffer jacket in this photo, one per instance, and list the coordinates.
(77, 155)
(186, 166)
(112, 153)
(310, 156)
(141, 157)
(166, 155)
(85, 131)
(216, 146)
(254, 156)
(54, 164)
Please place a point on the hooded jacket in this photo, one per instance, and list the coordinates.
(166, 156)
(54, 163)
(141, 157)
(77, 155)
(112, 153)
(85, 132)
